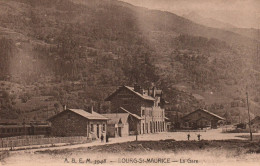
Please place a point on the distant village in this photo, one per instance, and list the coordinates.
(133, 111)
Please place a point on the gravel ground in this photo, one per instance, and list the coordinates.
(226, 149)
(215, 153)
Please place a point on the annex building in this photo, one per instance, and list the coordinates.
(78, 122)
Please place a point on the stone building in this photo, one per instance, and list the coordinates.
(146, 104)
(78, 122)
(200, 118)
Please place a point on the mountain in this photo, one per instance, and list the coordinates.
(248, 32)
(214, 23)
(209, 22)
(76, 52)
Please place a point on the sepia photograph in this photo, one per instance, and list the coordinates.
(130, 82)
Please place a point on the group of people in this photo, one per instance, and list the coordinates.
(197, 136)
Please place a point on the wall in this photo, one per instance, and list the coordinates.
(97, 129)
(126, 99)
(125, 130)
(112, 130)
(69, 124)
(72, 124)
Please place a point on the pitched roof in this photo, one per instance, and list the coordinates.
(143, 96)
(83, 113)
(115, 117)
(256, 120)
(206, 111)
(134, 115)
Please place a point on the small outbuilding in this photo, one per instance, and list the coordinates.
(200, 118)
(122, 123)
(78, 122)
(255, 123)
(117, 125)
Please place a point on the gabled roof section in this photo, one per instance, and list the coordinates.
(134, 115)
(83, 113)
(206, 111)
(114, 118)
(131, 89)
(256, 120)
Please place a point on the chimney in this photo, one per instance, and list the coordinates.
(153, 92)
(137, 88)
(89, 109)
(64, 107)
(92, 109)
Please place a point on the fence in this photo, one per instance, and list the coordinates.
(27, 141)
(179, 130)
(238, 130)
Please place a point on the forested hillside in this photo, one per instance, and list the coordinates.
(76, 52)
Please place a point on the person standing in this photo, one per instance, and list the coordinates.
(188, 137)
(199, 137)
(102, 138)
(107, 138)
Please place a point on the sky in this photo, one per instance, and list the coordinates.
(240, 13)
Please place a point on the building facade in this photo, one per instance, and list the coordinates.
(200, 118)
(78, 122)
(146, 105)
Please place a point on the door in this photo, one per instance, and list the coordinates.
(98, 130)
(119, 131)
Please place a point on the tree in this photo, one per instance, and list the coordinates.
(6, 55)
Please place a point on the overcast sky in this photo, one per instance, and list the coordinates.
(241, 13)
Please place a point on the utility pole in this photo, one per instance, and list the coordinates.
(257, 46)
(251, 135)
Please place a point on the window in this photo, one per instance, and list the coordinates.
(142, 113)
(92, 128)
(3, 130)
(104, 127)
